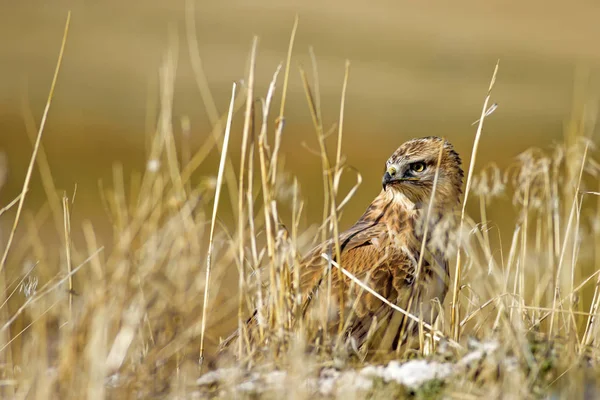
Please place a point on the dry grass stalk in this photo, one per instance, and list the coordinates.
(37, 144)
(214, 220)
(455, 316)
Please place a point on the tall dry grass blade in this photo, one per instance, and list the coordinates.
(262, 145)
(338, 154)
(316, 83)
(67, 231)
(213, 221)
(281, 118)
(574, 257)
(353, 189)
(207, 147)
(274, 307)
(43, 165)
(167, 73)
(329, 204)
(286, 74)
(591, 323)
(197, 65)
(565, 244)
(335, 184)
(208, 100)
(243, 167)
(36, 147)
(455, 317)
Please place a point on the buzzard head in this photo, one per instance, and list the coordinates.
(411, 170)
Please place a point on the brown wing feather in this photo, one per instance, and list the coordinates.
(382, 267)
(314, 264)
(364, 232)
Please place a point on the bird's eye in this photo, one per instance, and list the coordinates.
(417, 167)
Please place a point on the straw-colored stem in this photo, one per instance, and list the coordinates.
(281, 118)
(208, 100)
(455, 317)
(54, 200)
(213, 221)
(67, 231)
(595, 304)
(241, 218)
(568, 230)
(36, 146)
(330, 207)
(266, 194)
(338, 154)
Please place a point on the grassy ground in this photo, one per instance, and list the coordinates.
(141, 317)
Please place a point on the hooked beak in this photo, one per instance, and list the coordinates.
(387, 179)
(391, 176)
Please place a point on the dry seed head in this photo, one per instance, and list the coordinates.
(490, 182)
(444, 235)
(529, 177)
(29, 286)
(558, 154)
(284, 187)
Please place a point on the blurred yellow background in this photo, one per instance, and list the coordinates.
(417, 68)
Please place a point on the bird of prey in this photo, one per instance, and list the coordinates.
(386, 250)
